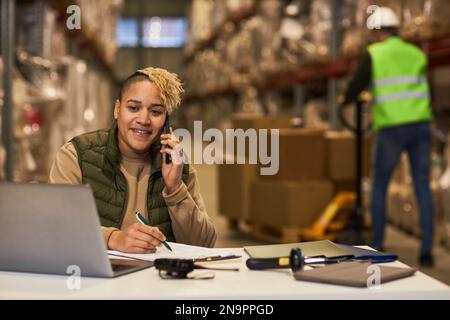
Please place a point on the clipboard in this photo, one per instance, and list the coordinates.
(352, 273)
(321, 248)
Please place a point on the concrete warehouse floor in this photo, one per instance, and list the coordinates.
(405, 245)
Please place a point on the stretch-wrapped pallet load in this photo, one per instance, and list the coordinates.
(425, 19)
(236, 6)
(249, 102)
(293, 31)
(267, 37)
(38, 95)
(353, 23)
(315, 114)
(201, 23)
(319, 32)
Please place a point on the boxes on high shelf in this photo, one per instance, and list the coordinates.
(234, 189)
(288, 203)
(341, 164)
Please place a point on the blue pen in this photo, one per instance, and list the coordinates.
(142, 220)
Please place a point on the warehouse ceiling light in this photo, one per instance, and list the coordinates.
(155, 30)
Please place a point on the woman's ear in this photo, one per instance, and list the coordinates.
(116, 109)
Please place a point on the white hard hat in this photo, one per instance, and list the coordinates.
(382, 17)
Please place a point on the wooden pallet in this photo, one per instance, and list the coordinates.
(275, 234)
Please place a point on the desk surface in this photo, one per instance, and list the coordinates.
(245, 284)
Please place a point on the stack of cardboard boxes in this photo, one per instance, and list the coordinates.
(234, 190)
(235, 179)
(299, 192)
(313, 164)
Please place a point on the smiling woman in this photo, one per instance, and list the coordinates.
(124, 167)
(140, 116)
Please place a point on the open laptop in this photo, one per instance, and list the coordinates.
(51, 228)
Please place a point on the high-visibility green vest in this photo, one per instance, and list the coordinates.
(399, 84)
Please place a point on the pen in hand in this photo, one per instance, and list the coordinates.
(142, 220)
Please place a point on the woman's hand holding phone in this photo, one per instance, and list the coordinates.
(173, 169)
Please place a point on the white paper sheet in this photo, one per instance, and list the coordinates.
(180, 251)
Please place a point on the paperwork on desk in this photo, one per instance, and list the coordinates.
(180, 251)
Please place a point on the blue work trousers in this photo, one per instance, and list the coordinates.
(415, 139)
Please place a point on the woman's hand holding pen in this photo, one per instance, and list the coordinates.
(172, 171)
(137, 238)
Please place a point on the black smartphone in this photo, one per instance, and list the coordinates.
(166, 129)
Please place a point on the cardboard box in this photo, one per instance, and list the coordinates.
(234, 189)
(247, 121)
(341, 164)
(302, 155)
(288, 203)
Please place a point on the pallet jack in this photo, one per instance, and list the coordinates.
(342, 220)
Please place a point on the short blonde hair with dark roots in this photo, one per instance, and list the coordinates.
(169, 85)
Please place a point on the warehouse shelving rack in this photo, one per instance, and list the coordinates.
(338, 67)
(85, 41)
(235, 18)
(7, 50)
(83, 45)
(299, 79)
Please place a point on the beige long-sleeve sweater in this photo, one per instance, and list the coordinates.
(190, 222)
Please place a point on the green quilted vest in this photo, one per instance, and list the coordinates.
(99, 160)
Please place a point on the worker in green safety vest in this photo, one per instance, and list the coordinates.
(396, 73)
